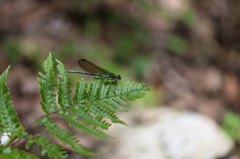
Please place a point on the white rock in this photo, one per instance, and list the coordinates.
(168, 134)
(191, 135)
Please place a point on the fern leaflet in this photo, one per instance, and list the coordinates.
(9, 122)
(48, 148)
(65, 136)
(47, 86)
(10, 153)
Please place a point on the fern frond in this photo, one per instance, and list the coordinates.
(81, 98)
(48, 148)
(98, 109)
(12, 153)
(104, 98)
(64, 99)
(81, 92)
(98, 93)
(95, 89)
(9, 122)
(47, 85)
(132, 90)
(65, 137)
(117, 103)
(64, 93)
(88, 118)
(92, 109)
(112, 100)
(75, 121)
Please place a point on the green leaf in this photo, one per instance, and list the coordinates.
(9, 122)
(47, 85)
(95, 89)
(90, 119)
(12, 153)
(64, 93)
(81, 92)
(177, 44)
(75, 121)
(48, 148)
(105, 98)
(132, 90)
(230, 124)
(65, 136)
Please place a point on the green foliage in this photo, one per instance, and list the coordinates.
(48, 148)
(12, 50)
(92, 109)
(9, 122)
(147, 6)
(65, 136)
(189, 16)
(67, 49)
(47, 86)
(141, 64)
(176, 44)
(231, 125)
(10, 153)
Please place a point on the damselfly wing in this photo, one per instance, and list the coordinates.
(94, 70)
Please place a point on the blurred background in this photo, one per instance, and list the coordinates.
(187, 51)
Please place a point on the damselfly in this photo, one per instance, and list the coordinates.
(94, 70)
